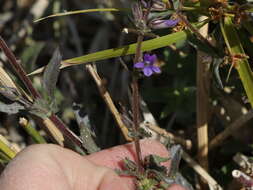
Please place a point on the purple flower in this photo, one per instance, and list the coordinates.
(147, 65)
(159, 23)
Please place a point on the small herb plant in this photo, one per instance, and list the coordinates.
(155, 24)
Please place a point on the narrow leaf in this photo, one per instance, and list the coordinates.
(235, 47)
(79, 12)
(147, 45)
(51, 73)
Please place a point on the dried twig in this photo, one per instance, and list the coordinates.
(237, 124)
(201, 171)
(185, 143)
(202, 102)
(108, 100)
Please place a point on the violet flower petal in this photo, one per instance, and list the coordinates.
(146, 57)
(171, 23)
(147, 71)
(160, 24)
(156, 69)
(152, 58)
(139, 65)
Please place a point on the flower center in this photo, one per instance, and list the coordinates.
(147, 63)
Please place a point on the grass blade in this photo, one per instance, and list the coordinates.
(147, 45)
(5, 148)
(234, 45)
(79, 12)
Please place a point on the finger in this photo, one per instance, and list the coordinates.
(51, 167)
(113, 157)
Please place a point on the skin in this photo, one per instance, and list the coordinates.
(50, 167)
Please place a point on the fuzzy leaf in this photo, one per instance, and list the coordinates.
(41, 108)
(51, 73)
(86, 132)
(11, 108)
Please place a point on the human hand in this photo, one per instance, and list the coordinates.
(50, 167)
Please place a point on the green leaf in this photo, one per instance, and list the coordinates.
(79, 12)
(51, 73)
(147, 45)
(235, 47)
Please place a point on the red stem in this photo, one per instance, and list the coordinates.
(28, 83)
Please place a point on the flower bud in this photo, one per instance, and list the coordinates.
(137, 11)
(158, 5)
(160, 24)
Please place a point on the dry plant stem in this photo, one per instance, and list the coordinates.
(186, 143)
(202, 102)
(17, 68)
(201, 171)
(108, 100)
(27, 82)
(237, 124)
(65, 130)
(136, 103)
(203, 84)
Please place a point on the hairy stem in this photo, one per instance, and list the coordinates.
(136, 104)
(35, 94)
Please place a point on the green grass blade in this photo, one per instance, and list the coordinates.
(235, 47)
(147, 45)
(5, 148)
(80, 12)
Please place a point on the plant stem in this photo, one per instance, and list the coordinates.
(32, 131)
(18, 69)
(136, 104)
(28, 83)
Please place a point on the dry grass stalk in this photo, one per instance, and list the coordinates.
(6, 81)
(202, 101)
(108, 100)
(185, 143)
(202, 172)
(237, 124)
